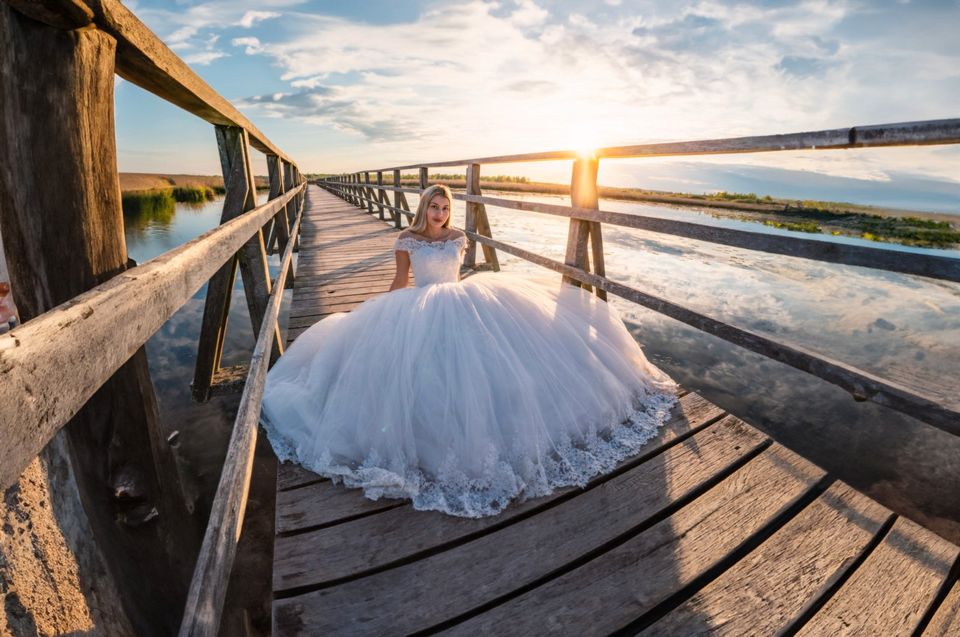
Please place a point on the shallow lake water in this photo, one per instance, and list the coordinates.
(900, 327)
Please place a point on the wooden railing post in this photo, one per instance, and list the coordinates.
(251, 258)
(381, 194)
(281, 226)
(476, 221)
(424, 174)
(399, 201)
(368, 191)
(116, 521)
(581, 232)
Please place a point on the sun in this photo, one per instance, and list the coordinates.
(583, 141)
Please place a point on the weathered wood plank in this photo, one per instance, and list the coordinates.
(610, 592)
(534, 546)
(692, 412)
(291, 476)
(763, 591)
(321, 503)
(891, 591)
(946, 620)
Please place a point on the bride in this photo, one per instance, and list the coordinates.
(464, 395)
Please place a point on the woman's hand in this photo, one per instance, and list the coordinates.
(402, 277)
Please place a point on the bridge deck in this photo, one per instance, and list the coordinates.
(713, 528)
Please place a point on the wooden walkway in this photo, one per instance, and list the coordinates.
(714, 528)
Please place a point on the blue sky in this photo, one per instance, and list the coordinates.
(356, 85)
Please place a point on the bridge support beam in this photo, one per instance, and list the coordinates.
(113, 513)
(476, 220)
(251, 259)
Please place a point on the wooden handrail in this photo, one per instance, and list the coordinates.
(208, 588)
(880, 258)
(144, 60)
(52, 364)
(942, 131)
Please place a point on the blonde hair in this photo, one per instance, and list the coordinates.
(419, 223)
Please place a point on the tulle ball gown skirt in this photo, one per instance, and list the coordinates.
(464, 396)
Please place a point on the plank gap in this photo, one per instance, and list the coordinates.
(835, 582)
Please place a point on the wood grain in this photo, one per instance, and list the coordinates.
(764, 590)
(608, 593)
(890, 592)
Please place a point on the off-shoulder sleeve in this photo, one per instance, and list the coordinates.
(405, 243)
(462, 242)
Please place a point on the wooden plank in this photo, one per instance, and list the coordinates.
(404, 599)
(891, 591)
(291, 476)
(763, 591)
(308, 306)
(323, 503)
(692, 412)
(307, 321)
(946, 619)
(608, 593)
(341, 291)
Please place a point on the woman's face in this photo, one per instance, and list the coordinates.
(438, 210)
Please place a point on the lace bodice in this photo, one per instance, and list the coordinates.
(433, 261)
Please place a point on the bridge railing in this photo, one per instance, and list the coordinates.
(583, 264)
(87, 311)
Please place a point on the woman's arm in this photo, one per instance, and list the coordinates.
(402, 277)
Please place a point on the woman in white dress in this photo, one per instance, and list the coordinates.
(464, 395)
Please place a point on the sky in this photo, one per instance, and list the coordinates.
(345, 86)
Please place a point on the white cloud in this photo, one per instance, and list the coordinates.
(202, 58)
(252, 17)
(474, 77)
(252, 45)
(528, 14)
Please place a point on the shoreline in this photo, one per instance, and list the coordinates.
(883, 225)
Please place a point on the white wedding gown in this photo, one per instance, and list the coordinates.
(463, 395)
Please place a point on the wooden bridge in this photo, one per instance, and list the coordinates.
(713, 528)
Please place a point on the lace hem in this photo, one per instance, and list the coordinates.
(409, 244)
(451, 491)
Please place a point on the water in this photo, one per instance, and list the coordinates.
(172, 351)
(900, 327)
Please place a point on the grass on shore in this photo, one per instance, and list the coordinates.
(160, 203)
